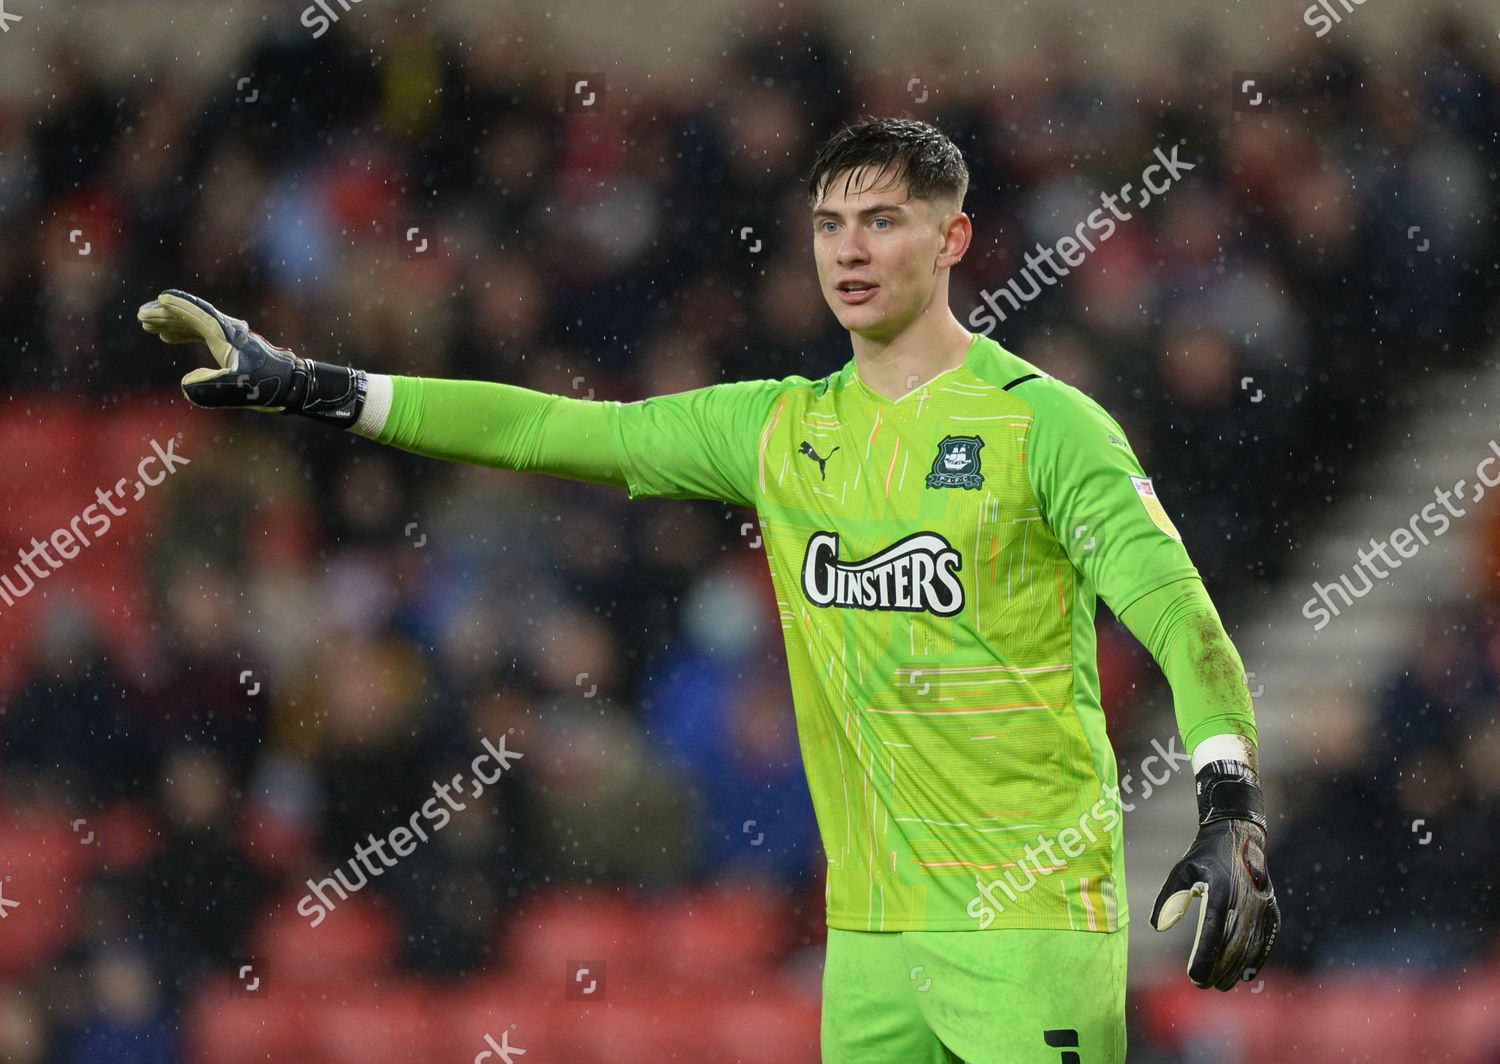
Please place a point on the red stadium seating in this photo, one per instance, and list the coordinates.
(1470, 1011)
(552, 928)
(226, 1026)
(683, 942)
(1388, 1019)
(358, 938)
(489, 1004)
(775, 1028)
(57, 454)
(637, 1032)
(396, 1022)
(720, 936)
(41, 864)
(543, 1021)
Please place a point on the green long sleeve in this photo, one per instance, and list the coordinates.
(1181, 628)
(502, 425)
(509, 427)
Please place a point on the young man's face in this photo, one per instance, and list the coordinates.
(881, 254)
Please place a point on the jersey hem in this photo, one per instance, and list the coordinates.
(891, 926)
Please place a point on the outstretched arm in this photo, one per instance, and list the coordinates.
(491, 424)
(704, 443)
(479, 422)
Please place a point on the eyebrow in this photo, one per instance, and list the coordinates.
(879, 208)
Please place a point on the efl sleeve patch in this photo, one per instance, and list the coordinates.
(1159, 517)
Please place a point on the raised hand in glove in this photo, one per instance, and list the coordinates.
(253, 374)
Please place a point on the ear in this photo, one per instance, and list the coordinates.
(958, 233)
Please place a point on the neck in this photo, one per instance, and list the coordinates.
(929, 346)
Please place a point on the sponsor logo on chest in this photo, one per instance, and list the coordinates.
(917, 573)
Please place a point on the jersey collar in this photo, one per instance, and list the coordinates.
(873, 396)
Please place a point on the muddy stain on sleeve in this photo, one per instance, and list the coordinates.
(1222, 674)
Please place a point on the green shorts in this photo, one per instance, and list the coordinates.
(1001, 996)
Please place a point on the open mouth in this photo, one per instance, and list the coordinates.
(856, 291)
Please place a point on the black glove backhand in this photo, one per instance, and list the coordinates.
(254, 374)
(1239, 918)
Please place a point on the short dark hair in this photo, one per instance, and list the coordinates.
(931, 164)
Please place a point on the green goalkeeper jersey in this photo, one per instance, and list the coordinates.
(936, 560)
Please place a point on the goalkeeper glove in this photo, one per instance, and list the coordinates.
(1239, 918)
(253, 374)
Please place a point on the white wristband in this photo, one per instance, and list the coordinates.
(377, 406)
(1227, 747)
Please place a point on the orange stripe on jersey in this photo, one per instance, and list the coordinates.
(765, 438)
(955, 864)
(873, 430)
(1062, 601)
(931, 669)
(957, 712)
(894, 451)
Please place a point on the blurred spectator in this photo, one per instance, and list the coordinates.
(128, 1023)
(1443, 690)
(199, 892)
(74, 718)
(721, 713)
(611, 814)
(23, 1030)
(453, 891)
(1387, 855)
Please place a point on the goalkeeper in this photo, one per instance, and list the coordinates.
(940, 519)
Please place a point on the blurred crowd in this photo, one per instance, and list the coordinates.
(1386, 851)
(334, 626)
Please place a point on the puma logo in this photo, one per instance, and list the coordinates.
(807, 449)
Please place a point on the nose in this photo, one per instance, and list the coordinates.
(851, 250)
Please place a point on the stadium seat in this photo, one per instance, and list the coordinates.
(41, 862)
(357, 939)
(489, 1004)
(46, 445)
(777, 1028)
(553, 928)
(1467, 1012)
(56, 456)
(1365, 1017)
(394, 1023)
(719, 936)
(1337, 1022)
(543, 1021)
(224, 1025)
(639, 1032)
